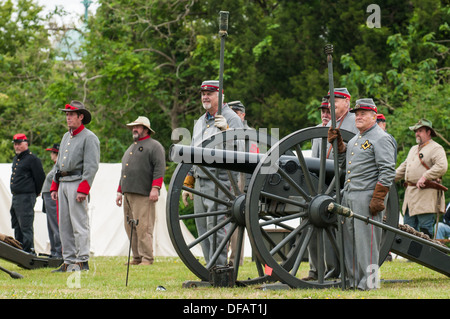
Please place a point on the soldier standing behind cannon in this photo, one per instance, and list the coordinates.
(325, 115)
(207, 125)
(370, 171)
(50, 208)
(344, 118)
(422, 171)
(141, 178)
(331, 261)
(76, 167)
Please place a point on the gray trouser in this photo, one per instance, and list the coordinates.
(73, 224)
(330, 258)
(362, 241)
(204, 205)
(52, 225)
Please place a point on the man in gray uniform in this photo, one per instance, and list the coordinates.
(325, 115)
(207, 125)
(76, 167)
(370, 171)
(344, 118)
(50, 208)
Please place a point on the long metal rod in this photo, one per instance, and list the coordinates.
(329, 51)
(347, 212)
(223, 28)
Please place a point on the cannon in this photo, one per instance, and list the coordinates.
(287, 191)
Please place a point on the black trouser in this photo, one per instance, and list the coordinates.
(22, 219)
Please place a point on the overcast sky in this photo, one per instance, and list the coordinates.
(74, 7)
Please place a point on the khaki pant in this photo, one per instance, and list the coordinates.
(139, 207)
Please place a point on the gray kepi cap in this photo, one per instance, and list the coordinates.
(237, 106)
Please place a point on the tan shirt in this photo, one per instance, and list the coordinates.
(429, 200)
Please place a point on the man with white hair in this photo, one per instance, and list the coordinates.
(370, 172)
(344, 118)
(207, 125)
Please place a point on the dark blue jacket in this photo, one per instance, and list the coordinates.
(27, 174)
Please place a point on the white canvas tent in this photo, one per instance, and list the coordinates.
(108, 237)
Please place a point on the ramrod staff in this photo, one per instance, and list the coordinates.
(223, 28)
(329, 51)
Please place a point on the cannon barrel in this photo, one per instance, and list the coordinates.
(217, 158)
(243, 162)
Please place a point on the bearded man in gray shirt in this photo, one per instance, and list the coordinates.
(141, 178)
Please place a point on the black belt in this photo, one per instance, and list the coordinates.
(60, 174)
(63, 173)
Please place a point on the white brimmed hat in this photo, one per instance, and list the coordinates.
(142, 120)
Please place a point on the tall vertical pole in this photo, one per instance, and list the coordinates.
(329, 52)
(223, 28)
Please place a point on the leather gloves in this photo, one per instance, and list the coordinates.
(335, 133)
(377, 203)
(188, 182)
(220, 122)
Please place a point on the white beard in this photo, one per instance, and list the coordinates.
(206, 106)
(418, 140)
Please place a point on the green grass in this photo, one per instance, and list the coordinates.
(107, 277)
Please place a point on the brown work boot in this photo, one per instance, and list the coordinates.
(146, 263)
(134, 262)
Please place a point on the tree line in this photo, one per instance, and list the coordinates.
(149, 57)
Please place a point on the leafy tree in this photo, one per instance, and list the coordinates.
(26, 61)
(414, 85)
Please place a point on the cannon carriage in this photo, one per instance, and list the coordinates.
(291, 192)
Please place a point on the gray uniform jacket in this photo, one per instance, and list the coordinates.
(370, 159)
(204, 128)
(48, 180)
(79, 152)
(315, 147)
